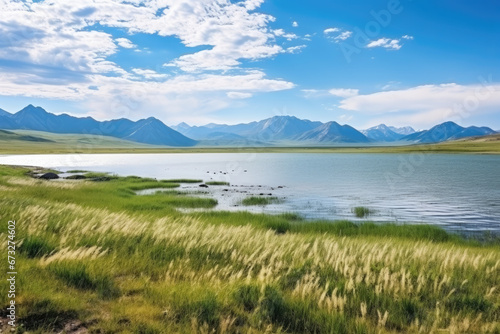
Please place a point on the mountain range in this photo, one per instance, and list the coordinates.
(385, 133)
(277, 130)
(148, 131)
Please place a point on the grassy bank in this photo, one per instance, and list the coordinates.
(96, 254)
(36, 142)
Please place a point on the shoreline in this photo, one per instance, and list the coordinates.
(186, 187)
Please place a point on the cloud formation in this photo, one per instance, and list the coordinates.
(385, 43)
(125, 43)
(337, 34)
(427, 104)
(343, 92)
(57, 49)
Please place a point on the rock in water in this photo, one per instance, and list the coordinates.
(49, 176)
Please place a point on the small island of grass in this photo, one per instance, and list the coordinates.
(259, 200)
(362, 212)
(217, 183)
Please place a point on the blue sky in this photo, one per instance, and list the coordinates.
(398, 62)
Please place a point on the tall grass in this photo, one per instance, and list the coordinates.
(90, 255)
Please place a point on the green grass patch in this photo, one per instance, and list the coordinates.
(255, 200)
(361, 211)
(77, 171)
(76, 177)
(76, 274)
(182, 181)
(36, 246)
(217, 183)
(351, 229)
(96, 176)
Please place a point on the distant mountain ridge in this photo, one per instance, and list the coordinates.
(447, 131)
(277, 130)
(383, 133)
(334, 132)
(148, 131)
(405, 130)
(4, 113)
(271, 129)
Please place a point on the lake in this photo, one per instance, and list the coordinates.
(457, 192)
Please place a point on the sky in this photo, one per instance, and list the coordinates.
(357, 62)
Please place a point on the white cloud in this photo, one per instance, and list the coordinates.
(343, 92)
(278, 32)
(282, 33)
(336, 34)
(331, 30)
(233, 31)
(149, 74)
(253, 4)
(59, 50)
(125, 43)
(238, 95)
(124, 97)
(295, 49)
(295, 24)
(312, 93)
(407, 37)
(385, 43)
(428, 103)
(343, 36)
(252, 81)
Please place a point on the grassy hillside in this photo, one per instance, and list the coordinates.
(19, 142)
(96, 255)
(9, 136)
(38, 142)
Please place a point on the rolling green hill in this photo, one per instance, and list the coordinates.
(11, 136)
(33, 142)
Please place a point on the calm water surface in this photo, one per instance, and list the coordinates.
(454, 191)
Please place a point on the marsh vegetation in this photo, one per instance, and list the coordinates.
(260, 200)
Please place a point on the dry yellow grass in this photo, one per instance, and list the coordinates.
(277, 255)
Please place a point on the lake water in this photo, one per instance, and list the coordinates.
(454, 191)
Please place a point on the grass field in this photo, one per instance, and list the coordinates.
(97, 255)
(36, 142)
